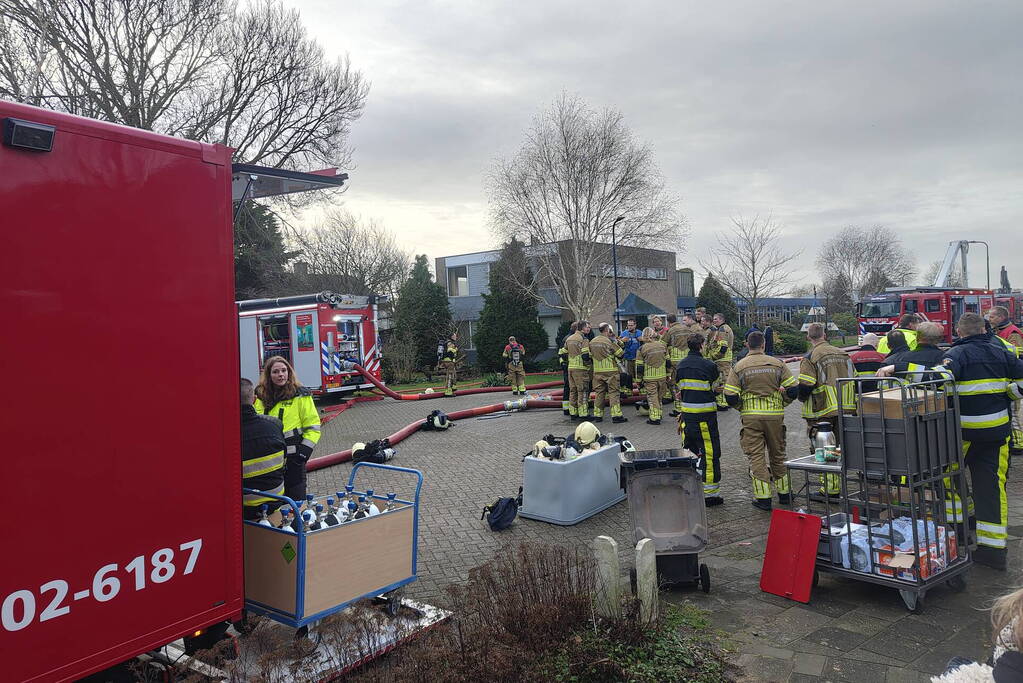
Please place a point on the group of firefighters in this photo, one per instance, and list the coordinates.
(696, 353)
(689, 363)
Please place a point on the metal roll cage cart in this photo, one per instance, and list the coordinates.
(899, 519)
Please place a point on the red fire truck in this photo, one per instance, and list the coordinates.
(880, 313)
(118, 286)
(320, 334)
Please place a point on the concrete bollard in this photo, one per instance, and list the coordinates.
(608, 598)
(646, 580)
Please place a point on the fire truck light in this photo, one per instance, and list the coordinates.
(337, 318)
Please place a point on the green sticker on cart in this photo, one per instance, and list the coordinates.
(288, 552)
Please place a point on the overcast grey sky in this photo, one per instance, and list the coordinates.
(825, 114)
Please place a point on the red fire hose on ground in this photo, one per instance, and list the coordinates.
(408, 430)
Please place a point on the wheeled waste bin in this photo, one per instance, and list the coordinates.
(665, 493)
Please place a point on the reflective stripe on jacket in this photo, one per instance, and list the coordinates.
(301, 423)
(987, 377)
(262, 451)
(653, 357)
(604, 352)
(821, 369)
(577, 346)
(694, 377)
(758, 380)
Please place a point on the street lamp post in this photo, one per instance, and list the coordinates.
(614, 267)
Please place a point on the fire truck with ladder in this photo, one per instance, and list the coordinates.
(938, 303)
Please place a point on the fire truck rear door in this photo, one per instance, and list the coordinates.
(305, 348)
(248, 342)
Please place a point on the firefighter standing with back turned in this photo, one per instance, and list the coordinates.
(449, 363)
(579, 364)
(819, 372)
(515, 354)
(651, 366)
(563, 362)
(605, 352)
(988, 380)
(695, 379)
(760, 386)
(719, 350)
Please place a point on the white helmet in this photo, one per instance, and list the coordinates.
(586, 433)
(538, 448)
(429, 390)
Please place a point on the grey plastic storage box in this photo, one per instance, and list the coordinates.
(568, 491)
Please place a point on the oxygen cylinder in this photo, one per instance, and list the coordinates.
(262, 516)
(390, 502)
(373, 509)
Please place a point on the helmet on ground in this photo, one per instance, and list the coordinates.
(586, 433)
(438, 420)
(358, 447)
(429, 390)
(538, 448)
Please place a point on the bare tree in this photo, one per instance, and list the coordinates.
(250, 77)
(865, 256)
(348, 255)
(750, 263)
(577, 171)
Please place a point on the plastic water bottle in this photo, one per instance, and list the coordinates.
(262, 516)
(390, 502)
(373, 509)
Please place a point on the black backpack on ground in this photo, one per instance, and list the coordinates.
(502, 512)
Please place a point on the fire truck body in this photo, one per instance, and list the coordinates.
(317, 333)
(126, 530)
(880, 313)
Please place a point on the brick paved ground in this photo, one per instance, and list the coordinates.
(850, 630)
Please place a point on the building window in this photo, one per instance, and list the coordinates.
(635, 272)
(686, 284)
(458, 281)
(466, 329)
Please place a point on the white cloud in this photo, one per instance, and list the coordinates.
(826, 115)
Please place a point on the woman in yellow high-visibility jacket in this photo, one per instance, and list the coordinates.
(279, 394)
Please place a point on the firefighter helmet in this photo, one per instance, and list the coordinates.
(538, 448)
(429, 390)
(357, 448)
(586, 433)
(438, 420)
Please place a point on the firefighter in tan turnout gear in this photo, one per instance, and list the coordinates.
(760, 386)
(605, 352)
(579, 365)
(819, 372)
(676, 338)
(651, 366)
(719, 349)
(515, 355)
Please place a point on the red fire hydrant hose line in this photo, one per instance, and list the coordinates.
(406, 431)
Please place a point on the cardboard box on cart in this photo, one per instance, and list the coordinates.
(889, 403)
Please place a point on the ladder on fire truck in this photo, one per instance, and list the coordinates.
(959, 249)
